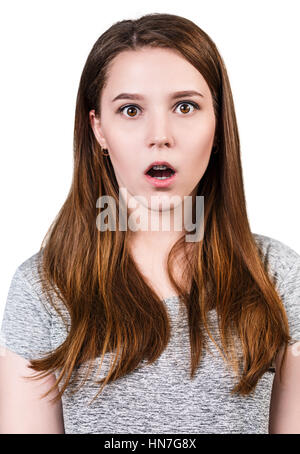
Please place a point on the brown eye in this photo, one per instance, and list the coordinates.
(130, 110)
(184, 108)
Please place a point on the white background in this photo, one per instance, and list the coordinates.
(44, 46)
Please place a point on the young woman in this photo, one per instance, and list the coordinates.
(128, 330)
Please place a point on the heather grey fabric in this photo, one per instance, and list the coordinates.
(159, 398)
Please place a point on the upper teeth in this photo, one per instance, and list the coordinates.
(159, 167)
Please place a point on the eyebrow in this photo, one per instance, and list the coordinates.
(175, 95)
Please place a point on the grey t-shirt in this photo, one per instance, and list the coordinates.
(159, 398)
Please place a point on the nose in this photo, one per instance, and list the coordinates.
(160, 142)
(160, 134)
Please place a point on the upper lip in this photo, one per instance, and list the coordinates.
(160, 163)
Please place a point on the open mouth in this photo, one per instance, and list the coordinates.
(160, 174)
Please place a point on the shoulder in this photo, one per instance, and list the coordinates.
(284, 267)
(25, 286)
(26, 321)
(280, 257)
(28, 269)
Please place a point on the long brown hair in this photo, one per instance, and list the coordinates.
(112, 306)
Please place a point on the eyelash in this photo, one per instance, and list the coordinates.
(195, 105)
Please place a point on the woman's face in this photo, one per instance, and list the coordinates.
(155, 125)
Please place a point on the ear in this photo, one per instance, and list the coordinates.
(97, 129)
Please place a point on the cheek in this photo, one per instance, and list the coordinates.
(198, 165)
(200, 138)
(204, 143)
(119, 138)
(123, 167)
(201, 147)
(122, 152)
(198, 160)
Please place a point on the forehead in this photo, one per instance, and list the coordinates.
(152, 69)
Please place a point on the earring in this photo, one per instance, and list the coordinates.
(105, 154)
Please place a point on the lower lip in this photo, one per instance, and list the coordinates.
(161, 183)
